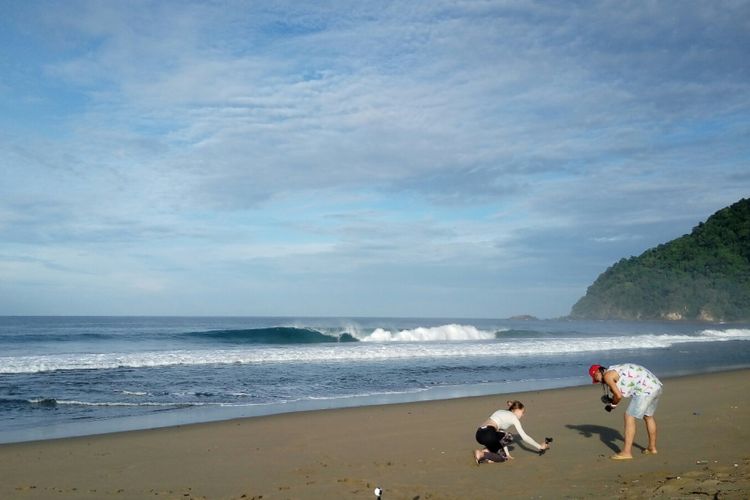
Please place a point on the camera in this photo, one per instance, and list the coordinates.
(609, 402)
(547, 440)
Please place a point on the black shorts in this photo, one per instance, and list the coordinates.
(493, 439)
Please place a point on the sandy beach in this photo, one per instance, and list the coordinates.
(412, 451)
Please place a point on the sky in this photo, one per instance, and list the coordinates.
(453, 159)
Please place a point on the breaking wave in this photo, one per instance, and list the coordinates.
(449, 341)
(443, 333)
(299, 335)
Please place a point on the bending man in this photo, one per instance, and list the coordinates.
(644, 389)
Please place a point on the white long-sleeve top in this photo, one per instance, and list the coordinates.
(505, 419)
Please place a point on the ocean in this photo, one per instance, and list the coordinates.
(72, 376)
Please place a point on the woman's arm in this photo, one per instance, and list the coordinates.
(524, 436)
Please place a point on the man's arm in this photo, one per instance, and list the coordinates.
(610, 378)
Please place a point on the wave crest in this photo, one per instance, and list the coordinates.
(274, 335)
(426, 334)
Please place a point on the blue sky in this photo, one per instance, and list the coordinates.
(446, 159)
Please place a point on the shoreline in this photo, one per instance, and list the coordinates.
(409, 449)
(213, 414)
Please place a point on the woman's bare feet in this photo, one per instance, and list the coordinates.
(478, 456)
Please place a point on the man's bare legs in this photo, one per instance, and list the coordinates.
(627, 449)
(651, 429)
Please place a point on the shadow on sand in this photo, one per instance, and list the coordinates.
(607, 435)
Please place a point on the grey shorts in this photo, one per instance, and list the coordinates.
(644, 404)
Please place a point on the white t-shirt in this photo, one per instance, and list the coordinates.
(505, 419)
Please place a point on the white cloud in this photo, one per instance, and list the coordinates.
(480, 136)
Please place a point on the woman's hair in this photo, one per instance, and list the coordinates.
(515, 405)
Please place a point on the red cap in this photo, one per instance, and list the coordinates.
(593, 371)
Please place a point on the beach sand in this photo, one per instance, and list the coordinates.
(412, 451)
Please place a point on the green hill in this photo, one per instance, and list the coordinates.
(704, 275)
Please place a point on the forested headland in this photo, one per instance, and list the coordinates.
(704, 275)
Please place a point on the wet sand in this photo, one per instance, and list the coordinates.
(412, 451)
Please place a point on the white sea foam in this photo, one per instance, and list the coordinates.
(371, 350)
(102, 403)
(730, 334)
(423, 334)
(64, 402)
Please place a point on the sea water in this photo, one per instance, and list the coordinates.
(68, 376)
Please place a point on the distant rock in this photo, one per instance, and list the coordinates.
(524, 317)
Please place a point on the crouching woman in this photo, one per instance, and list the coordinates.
(494, 436)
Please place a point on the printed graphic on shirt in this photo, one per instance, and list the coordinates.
(636, 380)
